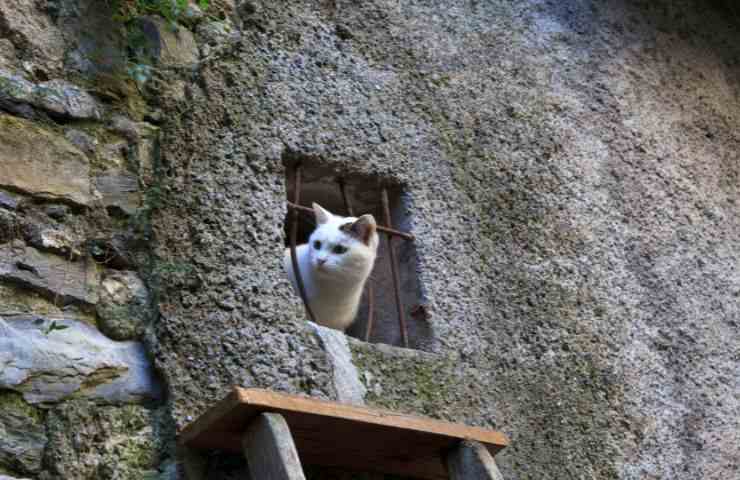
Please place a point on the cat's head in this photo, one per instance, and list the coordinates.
(343, 247)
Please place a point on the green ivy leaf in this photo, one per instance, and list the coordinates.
(54, 326)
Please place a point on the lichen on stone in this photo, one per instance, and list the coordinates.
(87, 441)
(22, 435)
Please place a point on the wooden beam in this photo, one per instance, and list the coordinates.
(339, 435)
(270, 451)
(472, 461)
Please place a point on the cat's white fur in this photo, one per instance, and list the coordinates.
(334, 282)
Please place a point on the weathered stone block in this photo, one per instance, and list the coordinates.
(15, 300)
(120, 190)
(58, 97)
(55, 277)
(33, 31)
(22, 435)
(82, 140)
(58, 240)
(142, 138)
(66, 99)
(14, 89)
(167, 45)
(8, 201)
(124, 305)
(52, 360)
(39, 162)
(97, 41)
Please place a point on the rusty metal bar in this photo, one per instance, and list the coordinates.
(394, 269)
(370, 311)
(369, 288)
(381, 228)
(345, 198)
(293, 239)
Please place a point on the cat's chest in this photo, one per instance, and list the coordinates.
(330, 292)
(334, 306)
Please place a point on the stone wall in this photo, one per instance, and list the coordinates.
(571, 173)
(78, 148)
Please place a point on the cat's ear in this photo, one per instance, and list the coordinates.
(362, 229)
(322, 216)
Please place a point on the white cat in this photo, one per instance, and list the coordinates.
(334, 265)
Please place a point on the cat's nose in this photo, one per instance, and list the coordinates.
(322, 261)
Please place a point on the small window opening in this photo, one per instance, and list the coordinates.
(344, 193)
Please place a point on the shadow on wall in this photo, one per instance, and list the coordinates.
(683, 17)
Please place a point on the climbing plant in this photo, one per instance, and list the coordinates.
(139, 65)
(172, 10)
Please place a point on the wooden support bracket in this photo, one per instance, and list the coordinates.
(270, 450)
(193, 462)
(472, 461)
(272, 429)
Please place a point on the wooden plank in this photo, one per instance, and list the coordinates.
(270, 451)
(472, 461)
(339, 435)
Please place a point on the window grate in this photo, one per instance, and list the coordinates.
(295, 208)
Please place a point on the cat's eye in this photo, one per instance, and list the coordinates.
(317, 245)
(339, 249)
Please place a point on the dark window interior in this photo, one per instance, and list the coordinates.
(320, 184)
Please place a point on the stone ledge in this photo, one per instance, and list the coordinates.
(48, 361)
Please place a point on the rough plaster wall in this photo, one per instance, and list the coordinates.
(573, 174)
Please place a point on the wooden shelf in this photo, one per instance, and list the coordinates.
(339, 435)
